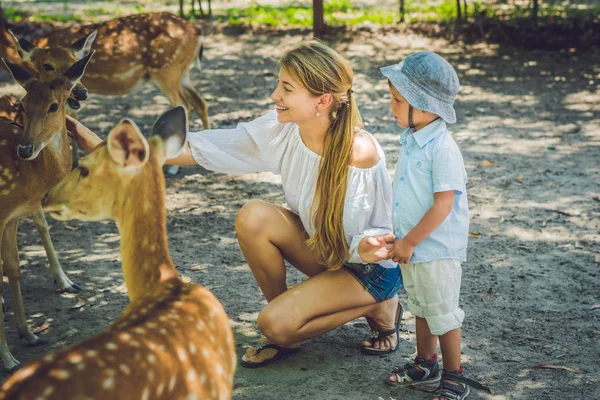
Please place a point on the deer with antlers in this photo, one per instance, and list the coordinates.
(34, 157)
(174, 340)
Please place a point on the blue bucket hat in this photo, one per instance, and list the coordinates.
(428, 82)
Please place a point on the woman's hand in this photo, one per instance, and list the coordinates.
(402, 251)
(84, 137)
(372, 249)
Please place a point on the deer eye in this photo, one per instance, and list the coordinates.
(48, 67)
(53, 108)
(83, 172)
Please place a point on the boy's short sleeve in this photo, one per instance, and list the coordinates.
(448, 171)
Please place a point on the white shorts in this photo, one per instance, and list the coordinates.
(433, 290)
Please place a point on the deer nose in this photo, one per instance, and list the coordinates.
(80, 93)
(25, 151)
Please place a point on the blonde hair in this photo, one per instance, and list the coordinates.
(321, 70)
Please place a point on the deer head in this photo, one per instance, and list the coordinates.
(51, 62)
(44, 106)
(107, 176)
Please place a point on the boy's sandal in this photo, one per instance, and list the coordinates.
(375, 335)
(457, 387)
(429, 382)
(282, 353)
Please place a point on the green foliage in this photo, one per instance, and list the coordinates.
(336, 12)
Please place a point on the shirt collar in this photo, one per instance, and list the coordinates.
(428, 133)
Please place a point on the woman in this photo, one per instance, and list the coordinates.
(337, 186)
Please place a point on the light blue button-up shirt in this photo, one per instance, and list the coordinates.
(430, 162)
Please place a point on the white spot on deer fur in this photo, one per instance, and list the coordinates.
(48, 391)
(159, 390)
(150, 376)
(109, 383)
(181, 355)
(80, 367)
(60, 374)
(219, 369)
(200, 325)
(192, 349)
(151, 358)
(163, 331)
(111, 346)
(126, 370)
(125, 337)
(75, 358)
(162, 318)
(192, 397)
(139, 330)
(91, 353)
(146, 393)
(3, 142)
(205, 352)
(161, 50)
(191, 376)
(203, 378)
(151, 325)
(172, 383)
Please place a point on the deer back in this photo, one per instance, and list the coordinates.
(173, 343)
(133, 48)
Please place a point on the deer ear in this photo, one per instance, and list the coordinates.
(20, 75)
(75, 71)
(83, 46)
(24, 46)
(172, 127)
(127, 146)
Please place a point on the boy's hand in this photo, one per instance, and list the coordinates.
(372, 249)
(403, 251)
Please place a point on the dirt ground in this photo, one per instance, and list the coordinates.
(531, 281)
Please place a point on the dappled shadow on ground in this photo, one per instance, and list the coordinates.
(531, 277)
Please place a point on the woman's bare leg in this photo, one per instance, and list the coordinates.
(268, 235)
(310, 309)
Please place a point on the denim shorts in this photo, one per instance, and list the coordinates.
(382, 283)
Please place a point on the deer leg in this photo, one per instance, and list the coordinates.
(58, 275)
(9, 361)
(193, 98)
(10, 259)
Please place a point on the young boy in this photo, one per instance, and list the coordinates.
(431, 220)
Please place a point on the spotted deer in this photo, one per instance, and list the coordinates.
(174, 340)
(56, 62)
(134, 50)
(34, 157)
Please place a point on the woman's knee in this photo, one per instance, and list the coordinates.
(252, 218)
(274, 327)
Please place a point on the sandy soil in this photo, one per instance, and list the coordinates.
(531, 279)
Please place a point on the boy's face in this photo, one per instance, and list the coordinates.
(399, 107)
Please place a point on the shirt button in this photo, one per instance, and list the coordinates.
(408, 153)
(402, 178)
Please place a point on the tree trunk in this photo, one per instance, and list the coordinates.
(402, 11)
(181, 8)
(209, 9)
(318, 21)
(534, 14)
(458, 11)
(466, 13)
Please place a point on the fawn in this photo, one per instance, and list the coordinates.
(174, 340)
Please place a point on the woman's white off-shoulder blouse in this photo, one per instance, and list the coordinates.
(264, 144)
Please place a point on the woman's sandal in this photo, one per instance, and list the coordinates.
(456, 387)
(375, 335)
(282, 353)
